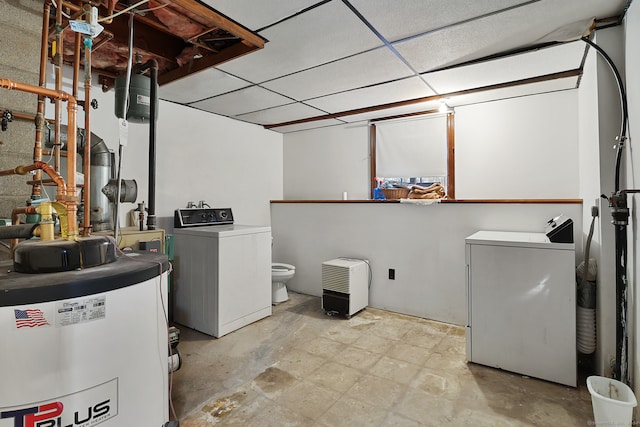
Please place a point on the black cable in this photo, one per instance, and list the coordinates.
(623, 102)
(620, 212)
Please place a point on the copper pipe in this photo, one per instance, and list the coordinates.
(74, 17)
(50, 153)
(76, 63)
(15, 213)
(55, 176)
(111, 6)
(71, 6)
(29, 210)
(42, 82)
(58, 55)
(69, 198)
(20, 116)
(48, 93)
(42, 182)
(108, 36)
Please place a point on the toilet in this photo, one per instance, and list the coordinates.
(280, 273)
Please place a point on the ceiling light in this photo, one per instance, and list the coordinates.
(443, 106)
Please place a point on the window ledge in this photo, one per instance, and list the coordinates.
(506, 201)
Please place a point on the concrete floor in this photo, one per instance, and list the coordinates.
(301, 367)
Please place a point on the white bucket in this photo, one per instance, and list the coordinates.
(612, 402)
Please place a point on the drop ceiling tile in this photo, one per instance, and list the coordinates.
(357, 71)
(308, 125)
(409, 88)
(284, 113)
(412, 17)
(513, 92)
(531, 64)
(405, 109)
(242, 101)
(205, 84)
(321, 35)
(516, 28)
(258, 14)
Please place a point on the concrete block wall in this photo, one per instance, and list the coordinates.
(20, 32)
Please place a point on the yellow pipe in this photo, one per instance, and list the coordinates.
(45, 209)
(70, 198)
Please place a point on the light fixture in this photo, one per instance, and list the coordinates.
(443, 106)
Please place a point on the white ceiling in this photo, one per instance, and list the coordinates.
(326, 60)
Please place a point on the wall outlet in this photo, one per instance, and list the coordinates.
(392, 274)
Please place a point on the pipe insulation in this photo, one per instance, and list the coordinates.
(21, 231)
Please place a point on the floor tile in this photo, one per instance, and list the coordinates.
(335, 376)
(396, 370)
(395, 420)
(340, 333)
(420, 337)
(298, 362)
(376, 391)
(300, 367)
(352, 412)
(323, 347)
(409, 353)
(439, 384)
(357, 358)
(425, 408)
(274, 414)
(373, 343)
(309, 399)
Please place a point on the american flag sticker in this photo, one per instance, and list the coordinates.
(30, 318)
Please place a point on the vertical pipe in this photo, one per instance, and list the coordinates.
(71, 198)
(58, 54)
(620, 368)
(151, 216)
(42, 82)
(87, 139)
(451, 156)
(372, 164)
(76, 64)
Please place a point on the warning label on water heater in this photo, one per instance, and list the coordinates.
(81, 310)
(143, 100)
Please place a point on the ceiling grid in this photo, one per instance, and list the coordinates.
(324, 58)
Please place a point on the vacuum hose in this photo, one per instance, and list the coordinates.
(586, 297)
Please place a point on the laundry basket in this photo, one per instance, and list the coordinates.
(612, 402)
(395, 193)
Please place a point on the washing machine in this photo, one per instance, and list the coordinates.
(222, 271)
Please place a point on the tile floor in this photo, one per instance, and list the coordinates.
(301, 367)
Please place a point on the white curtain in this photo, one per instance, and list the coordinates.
(414, 147)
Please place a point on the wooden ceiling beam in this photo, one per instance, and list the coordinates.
(222, 22)
(205, 62)
(554, 76)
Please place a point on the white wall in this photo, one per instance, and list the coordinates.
(200, 156)
(425, 244)
(518, 148)
(599, 124)
(323, 163)
(511, 149)
(632, 65)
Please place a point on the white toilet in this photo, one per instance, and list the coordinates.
(280, 273)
